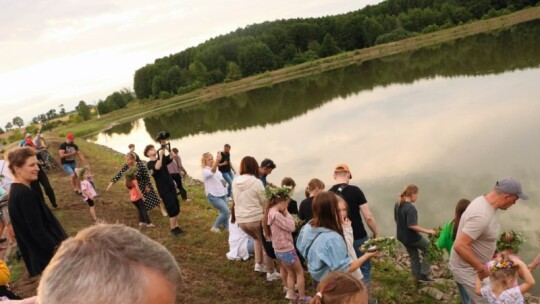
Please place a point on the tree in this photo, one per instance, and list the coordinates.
(9, 126)
(198, 71)
(51, 114)
(233, 72)
(83, 110)
(62, 110)
(17, 121)
(328, 47)
(2, 131)
(256, 58)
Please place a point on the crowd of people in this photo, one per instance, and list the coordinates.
(322, 234)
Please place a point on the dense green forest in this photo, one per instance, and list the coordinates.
(470, 56)
(272, 45)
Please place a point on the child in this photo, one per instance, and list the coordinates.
(340, 288)
(408, 233)
(348, 233)
(88, 191)
(504, 271)
(238, 240)
(293, 205)
(278, 225)
(448, 234)
(137, 198)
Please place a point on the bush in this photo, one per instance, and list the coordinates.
(164, 95)
(190, 88)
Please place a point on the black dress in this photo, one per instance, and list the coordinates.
(37, 231)
(151, 199)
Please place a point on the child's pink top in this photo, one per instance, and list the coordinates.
(87, 188)
(133, 193)
(282, 228)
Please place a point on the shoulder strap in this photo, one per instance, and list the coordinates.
(309, 247)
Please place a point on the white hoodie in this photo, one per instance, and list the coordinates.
(249, 199)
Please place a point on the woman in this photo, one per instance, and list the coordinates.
(314, 187)
(215, 190)
(143, 179)
(249, 198)
(322, 243)
(408, 232)
(449, 231)
(37, 231)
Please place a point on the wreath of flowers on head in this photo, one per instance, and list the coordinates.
(276, 192)
(131, 173)
(509, 240)
(499, 264)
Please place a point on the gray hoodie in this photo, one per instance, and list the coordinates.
(249, 199)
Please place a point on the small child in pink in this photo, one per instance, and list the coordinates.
(88, 191)
(137, 199)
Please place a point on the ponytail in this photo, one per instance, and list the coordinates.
(409, 190)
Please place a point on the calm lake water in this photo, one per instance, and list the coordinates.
(452, 119)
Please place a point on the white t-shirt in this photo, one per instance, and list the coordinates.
(481, 224)
(509, 296)
(212, 182)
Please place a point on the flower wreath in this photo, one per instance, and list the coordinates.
(509, 240)
(276, 192)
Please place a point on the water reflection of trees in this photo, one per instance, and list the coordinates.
(493, 53)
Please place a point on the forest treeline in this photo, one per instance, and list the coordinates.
(272, 45)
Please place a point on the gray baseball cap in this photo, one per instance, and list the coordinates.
(511, 186)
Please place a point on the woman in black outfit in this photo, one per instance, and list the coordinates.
(37, 231)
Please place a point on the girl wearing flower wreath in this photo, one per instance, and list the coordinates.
(322, 243)
(408, 233)
(278, 225)
(340, 288)
(503, 273)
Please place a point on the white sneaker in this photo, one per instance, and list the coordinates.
(215, 230)
(141, 224)
(259, 268)
(273, 276)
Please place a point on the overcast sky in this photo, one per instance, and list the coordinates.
(60, 52)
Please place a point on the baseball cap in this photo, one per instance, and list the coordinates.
(70, 136)
(28, 135)
(342, 168)
(268, 163)
(511, 186)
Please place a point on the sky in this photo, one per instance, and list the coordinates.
(60, 52)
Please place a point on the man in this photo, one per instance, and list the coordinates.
(476, 239)
(111, 264)
(267, 165)
(226, 168)
(40, 142)
(132, 151)
(157, 166)
(357, 205)
(68, 152)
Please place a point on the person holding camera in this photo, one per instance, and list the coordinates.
(164, 183)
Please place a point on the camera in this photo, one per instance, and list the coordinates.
(162, 136)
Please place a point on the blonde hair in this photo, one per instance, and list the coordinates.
(313, 184)
(204, 157)
(408, 191)
(338, 288)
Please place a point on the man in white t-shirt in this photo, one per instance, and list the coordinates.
(477, 234)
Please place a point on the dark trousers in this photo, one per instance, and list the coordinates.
(44, 181)
(178, 181)
(143, 215)
(417, 253)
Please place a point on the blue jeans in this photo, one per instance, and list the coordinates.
(465, 298)
(220, 203)
(228, 176)
(366, 267)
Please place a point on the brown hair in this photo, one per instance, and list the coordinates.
(287, 181)
(313, 184)
(249, 165)
(233, 214)
(148, 148)
(271, 203)
(461, 206)
(326, 212)
(18, 157)
(338, 288)
(407, 192)
(131, 146)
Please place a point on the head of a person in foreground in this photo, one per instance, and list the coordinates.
(110, 264)
(340, 288)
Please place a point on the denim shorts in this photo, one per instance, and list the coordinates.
(287, 258)
(70, 168)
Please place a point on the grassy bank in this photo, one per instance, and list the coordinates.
(138, 110)
(208, 277)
